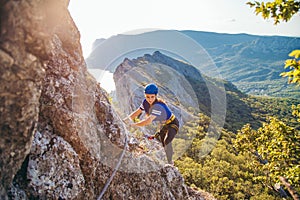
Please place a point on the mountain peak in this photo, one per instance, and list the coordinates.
(158, 58)
(157, 53)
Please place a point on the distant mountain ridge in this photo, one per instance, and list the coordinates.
(211, 39)
(253, 63)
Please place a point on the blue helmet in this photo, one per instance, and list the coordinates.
(151, 89)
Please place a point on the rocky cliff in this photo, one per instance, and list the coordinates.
(60, 137)
(169, 74)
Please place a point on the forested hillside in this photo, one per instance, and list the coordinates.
(225, 161)
(238, 167)
(252, 63)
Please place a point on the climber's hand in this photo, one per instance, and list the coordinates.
(133, 125)
(151, 137)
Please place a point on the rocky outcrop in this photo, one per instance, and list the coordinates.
(171, 76)
(60, 137)
(23, 47)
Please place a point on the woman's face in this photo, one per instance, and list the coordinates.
(150, 98)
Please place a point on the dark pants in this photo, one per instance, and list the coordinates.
(167, 134)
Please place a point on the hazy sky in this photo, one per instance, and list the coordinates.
(104, 18)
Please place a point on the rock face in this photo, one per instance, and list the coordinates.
(60, 137)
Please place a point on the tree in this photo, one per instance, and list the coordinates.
(282, 10)
(294, 65)
(276, 149)
(279, 10)
(296, 111)
(222, 172)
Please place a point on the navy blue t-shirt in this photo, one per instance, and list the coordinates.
(158, 109)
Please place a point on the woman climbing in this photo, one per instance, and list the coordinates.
(157, 110)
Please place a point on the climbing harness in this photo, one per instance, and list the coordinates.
(168, 121)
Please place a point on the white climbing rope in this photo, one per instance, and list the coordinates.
(115, 170)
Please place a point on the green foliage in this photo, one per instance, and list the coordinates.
(179, 147)
(255, 110)
(296, 111)
(234, 168)
(222, 173)
(276, 148)
(264, 107)
(294, 65)
(279, 10)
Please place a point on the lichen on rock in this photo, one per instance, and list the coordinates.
(54, 167)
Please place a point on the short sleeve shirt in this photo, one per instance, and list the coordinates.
(158, 109)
